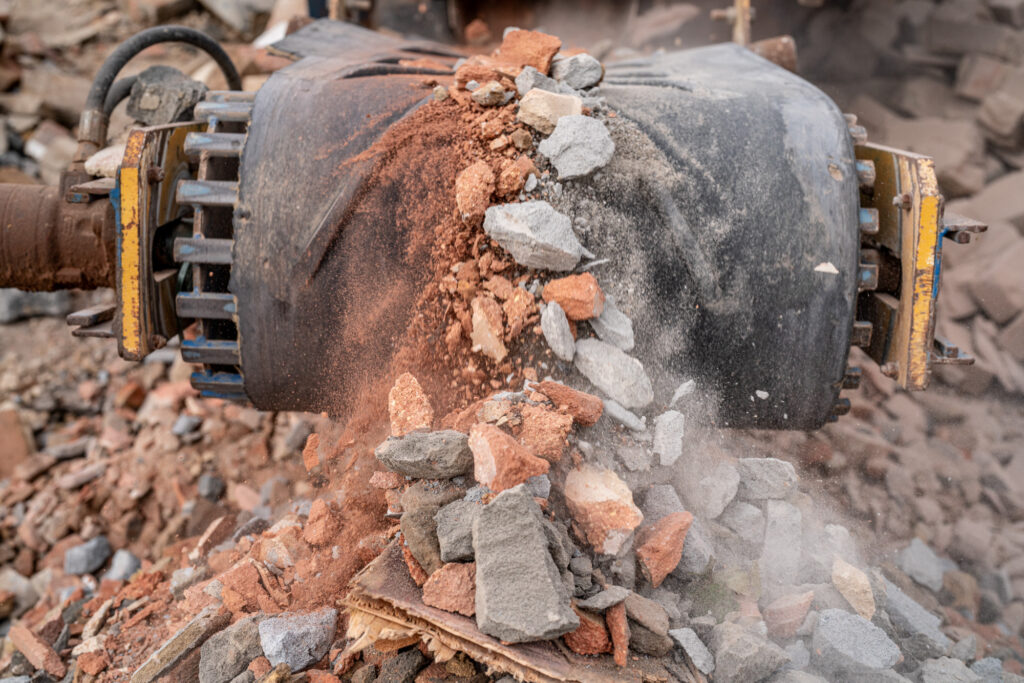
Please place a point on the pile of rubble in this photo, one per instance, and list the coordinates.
(572, 505)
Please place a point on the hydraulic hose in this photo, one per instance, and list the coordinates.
(119, 91)
(92, 127)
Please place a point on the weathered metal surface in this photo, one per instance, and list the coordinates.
(47, 243)
(146, 317)
(385, 589)
(210, 351)
(228, 110)
(90, 316)
(207, 250)
(906, 195)
(215, 144)
(207, 192)
(213, 305)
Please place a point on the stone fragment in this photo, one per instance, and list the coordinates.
(210, 487)
(780, 557)
(36, 650)
(578, 146)
(691, 644)
(853, 584)
(529, 78)
(718, 489)
(520, 595)
(87, 557)
(578, 71)
(614, 326)
(535, 235)
(763, 478)
(784, 615)
(610, 596)
(122, 566)
(427, 455)
(432, 493)
(488, 328)
(183, 643)
(555, 326)
(579, 296)
(913, 619)
(624, 417)
(648, 626)
(697, 554)
(228, 653)
(845, 644)
(609, 369)
(742, 656)
(455, 530)
(660, 546)
(499, 461)
(298, 640)
(745, 520)
(420, 532)
(474, 187)
(586, 409)
(602, 506)
(452, 588)
(402, 667)
(920, 563)
(591, 638)
(966, 649)
(947, 670)
(542, 110)
(408, 406)
(490, 94)
(529, 49)
(669, 429)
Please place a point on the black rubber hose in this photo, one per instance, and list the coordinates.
(120, 90)
(101, 85)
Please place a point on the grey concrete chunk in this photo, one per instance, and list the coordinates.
(965, 649)
(697, 553)
(555, 326)
(718, 489)
(455, 530)
(698, 653)
(579, 71)
(746, 520)
(520, 595)
(87, 557)
(614, 326)
(947, 670)
(799, 655)
(420, 532)
(846, 643)
(609, 597)
(578, 146)
(783, 541)
(661, 500)
(298, 640)
(624, 417)
(920, 563)
(534, 234)
(402, 668)
(122, 566)
(620, 377)
(742, 656)
(529, 78)
(228, 653)
(669, 429)
(211, 487)
(990, 669)
(763, 478)
(427, 455)
(911, 618)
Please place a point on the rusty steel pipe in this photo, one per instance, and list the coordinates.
(48, 244)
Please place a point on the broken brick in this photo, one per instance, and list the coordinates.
(322, 525)
(452, 588)
(499, 461)
(591, 638)
(408, 406)
(529, 48)
(660, 546)
(602, 507)
(473, 190)
(544, 432)
(579, 296)
(585, 408)
(36, 650)
(488, 329)
(618, 629)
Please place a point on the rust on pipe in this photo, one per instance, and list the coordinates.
(48, 244)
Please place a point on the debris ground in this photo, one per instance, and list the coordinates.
(548, 499)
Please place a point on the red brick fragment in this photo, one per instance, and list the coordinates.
(591, 638)
(310, 454)
(545, 432)
(585, 408)
(499, 462)
(385, 479)
(452, 588)
(93, 663)
(660, 546)
(415, 570)
(473, 189)
(37, 651)
(322, 525)
(618, 627)
(579, 296)
(785, 615)
(529, 48)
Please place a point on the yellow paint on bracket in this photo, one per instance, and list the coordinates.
(131, 306)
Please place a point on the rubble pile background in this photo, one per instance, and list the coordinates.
(147, 533)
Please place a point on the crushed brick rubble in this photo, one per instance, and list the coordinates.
(160, 536)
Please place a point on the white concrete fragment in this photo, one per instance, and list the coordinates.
(555, 326)
(614, 326)
(623, 416)
(620, 377)
(669, 429)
